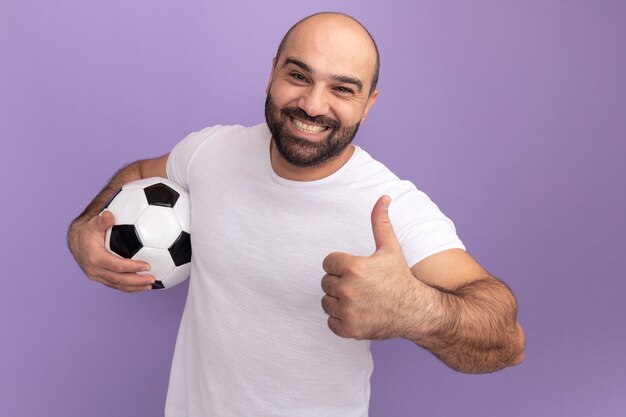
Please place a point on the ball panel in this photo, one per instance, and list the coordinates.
(178, 275)
(124, 240)
(181, 249)
(127, 206)
(161, 264)
(182, 209)
(161, 195)
(158, 285)
(158, 227)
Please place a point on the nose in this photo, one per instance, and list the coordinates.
(314, 101)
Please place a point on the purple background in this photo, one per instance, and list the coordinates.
(510, 115)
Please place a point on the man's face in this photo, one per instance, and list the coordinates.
(319, 92)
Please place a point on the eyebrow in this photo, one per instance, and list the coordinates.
(340, 78)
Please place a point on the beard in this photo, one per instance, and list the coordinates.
(302, 152)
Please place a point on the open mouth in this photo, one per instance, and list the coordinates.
(305, 127)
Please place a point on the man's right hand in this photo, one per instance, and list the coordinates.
(86, 242)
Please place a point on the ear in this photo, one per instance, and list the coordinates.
(269, 83)
(370, 102)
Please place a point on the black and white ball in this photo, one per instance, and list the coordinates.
(152, 218)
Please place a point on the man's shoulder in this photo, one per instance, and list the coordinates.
(370, 177)
(237, 131)
(369, 168)
(218, 138)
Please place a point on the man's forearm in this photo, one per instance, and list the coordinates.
(130, 172)
(476, 329)
(86, 236)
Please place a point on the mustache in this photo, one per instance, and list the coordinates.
(301, 114)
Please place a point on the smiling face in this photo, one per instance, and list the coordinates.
(319, 92)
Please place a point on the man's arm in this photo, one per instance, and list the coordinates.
(446, 303)
(474, 326)
(85, 236)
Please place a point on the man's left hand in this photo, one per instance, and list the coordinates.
(366, 297)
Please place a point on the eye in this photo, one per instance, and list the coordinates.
(297, 76)
(344, 90)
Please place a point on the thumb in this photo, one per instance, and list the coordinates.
(384, 237)
(104, 221)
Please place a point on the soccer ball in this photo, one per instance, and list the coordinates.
(152, 225)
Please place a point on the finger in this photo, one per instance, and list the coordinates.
(335, 263)
(334, 324)
(329, 305)
(127, 279)
(130, 289)
(329, 282)
(104, 221)
(125, 282)
(384, 237)
(115, 263)
(124, 288)
(133, 289)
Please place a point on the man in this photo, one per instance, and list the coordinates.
(271, 206)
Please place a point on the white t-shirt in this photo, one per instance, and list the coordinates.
(253, 339)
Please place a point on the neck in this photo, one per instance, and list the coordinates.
(284, 169)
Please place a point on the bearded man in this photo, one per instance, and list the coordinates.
(305, 249)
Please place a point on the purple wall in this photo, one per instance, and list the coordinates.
(511, 115)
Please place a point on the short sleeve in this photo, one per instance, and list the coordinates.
(182, 155)
(421, 228)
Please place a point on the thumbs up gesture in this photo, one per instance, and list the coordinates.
(368, 297)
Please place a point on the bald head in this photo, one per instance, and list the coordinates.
(339, 26)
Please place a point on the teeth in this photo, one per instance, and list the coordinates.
(308, 128)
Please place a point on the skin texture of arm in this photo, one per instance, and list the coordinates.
(446, 303)
(85, 236)
(476, 328)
